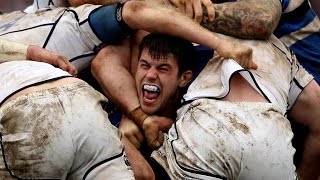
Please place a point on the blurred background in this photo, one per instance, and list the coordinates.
(316, 6)
(11, 5)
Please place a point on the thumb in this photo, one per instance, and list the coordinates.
(253, 66)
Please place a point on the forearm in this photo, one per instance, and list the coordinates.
(111, 69)
(11, 51)
(141, 15)
(140, 167)
(245, 18)
(306, 112)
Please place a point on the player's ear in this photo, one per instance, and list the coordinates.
(185, 78)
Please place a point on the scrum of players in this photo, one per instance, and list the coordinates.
(197, 96)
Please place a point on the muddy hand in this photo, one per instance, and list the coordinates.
(36, 53)
(152, 132)
(131, 131)
(240, 53)
(193, 8)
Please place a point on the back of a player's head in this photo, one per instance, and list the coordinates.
(161, 46)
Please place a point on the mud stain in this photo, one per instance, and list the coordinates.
(242, 127)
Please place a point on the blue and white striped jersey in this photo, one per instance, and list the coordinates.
(299, 30)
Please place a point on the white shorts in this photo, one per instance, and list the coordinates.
(216, 139)
(60, 133)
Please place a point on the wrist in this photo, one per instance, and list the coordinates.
(30, 51)
(138, 116)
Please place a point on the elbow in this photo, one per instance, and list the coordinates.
(263, 29)
(96, 65)
(132, 12)
(99, 63)
(106, 60)
(267, 23)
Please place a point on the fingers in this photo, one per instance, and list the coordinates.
(198, 13)
(240, 53)
(253, 66)
(64, 64)
(210, 9)
(131, 131)
(152, 137)
(179, 4)
(151, 132)
(161, 137)
(157, 141)
(193, 8)
(189, 10)
(136, 138)
(246, 59)
(36, 53)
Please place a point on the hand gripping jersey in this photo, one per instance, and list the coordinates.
(215, 139)
(299, 29)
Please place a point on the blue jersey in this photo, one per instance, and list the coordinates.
(298, 29)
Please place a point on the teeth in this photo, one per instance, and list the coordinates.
(151, 88)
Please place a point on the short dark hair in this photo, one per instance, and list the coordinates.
(162, 45)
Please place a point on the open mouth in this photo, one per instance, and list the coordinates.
(150, 92)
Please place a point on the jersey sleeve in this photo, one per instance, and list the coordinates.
(10, 51)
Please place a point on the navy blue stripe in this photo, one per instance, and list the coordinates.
(306, 48)
(295, 20)
(48, 24)
(84, 21)
(190, 170)
(82, 56)
(74, 13)
(298, 84)
(50, 2)
(102, 162)
(308, 54)
(34, 84)
(288, 59)
(242, 70)
(284, 4)
(52, 29)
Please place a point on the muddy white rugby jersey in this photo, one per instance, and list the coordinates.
(281, 85)
(63, 30)
(16, 75)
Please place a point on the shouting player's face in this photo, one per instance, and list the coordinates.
(157, 82)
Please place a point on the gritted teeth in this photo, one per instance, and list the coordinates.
(151, 88)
